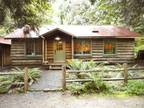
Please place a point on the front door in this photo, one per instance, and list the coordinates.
(59, 51)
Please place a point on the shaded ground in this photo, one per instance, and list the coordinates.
(50, 79)
(59, 100)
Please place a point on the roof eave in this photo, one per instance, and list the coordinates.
(56, 29)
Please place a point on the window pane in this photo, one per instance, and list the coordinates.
(29, 47)
(38, 46)
(59, 45)
(82, 46)
(109, 47)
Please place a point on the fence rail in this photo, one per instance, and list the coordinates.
(125, 70)
(104, 70)
(10, 73)
(25, 75)
(104, 79)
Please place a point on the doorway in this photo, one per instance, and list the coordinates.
(59, 50)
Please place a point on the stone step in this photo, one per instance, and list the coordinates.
(55, 67)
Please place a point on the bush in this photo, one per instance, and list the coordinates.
(76, 64)
(6, 82)
(33, 74)
(135, 87)
(76, 88)
(97, 85)
(88, 87)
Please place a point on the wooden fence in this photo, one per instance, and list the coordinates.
(25, 74)
(125, 70)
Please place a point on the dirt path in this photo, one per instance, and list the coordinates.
(58, 100)
(50, 79)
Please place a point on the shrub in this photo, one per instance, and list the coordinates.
(33, 74)
(97, 85)
(6, 82)
(76, 88)
(88, 87)
(135, 87)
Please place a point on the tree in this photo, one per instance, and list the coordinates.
(22, 12)
(85, 12)
(100, 12)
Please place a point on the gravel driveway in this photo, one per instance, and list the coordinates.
(60, 100)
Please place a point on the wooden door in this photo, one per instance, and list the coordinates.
(59, 51)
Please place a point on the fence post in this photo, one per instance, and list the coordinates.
(64, 78)
(25, 79)
(125, 66)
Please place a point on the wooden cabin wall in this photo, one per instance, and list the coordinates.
(49, 53)
(5, 59)
(68, 47)
(1, 56)
(6, 55)
(18, 54)
(124, 51)
(49, 47)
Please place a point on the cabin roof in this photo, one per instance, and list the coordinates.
(5, 41)
(84, 31)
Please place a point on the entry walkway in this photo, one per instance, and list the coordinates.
(50, 80)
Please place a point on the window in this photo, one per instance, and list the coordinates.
(109, 47)
(59, 45)
(33, 47)
(82, 46)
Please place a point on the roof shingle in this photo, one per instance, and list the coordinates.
(79, 31)
(5, 41)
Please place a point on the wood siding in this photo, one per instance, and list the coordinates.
(49, 48)
(4, 55)
(124, 51)
(18, 54)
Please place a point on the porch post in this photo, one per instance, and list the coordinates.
(2, 57)
(72, 47)
(43, 50)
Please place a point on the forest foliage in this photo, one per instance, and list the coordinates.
(16, 13)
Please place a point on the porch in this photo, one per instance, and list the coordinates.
(57, 47)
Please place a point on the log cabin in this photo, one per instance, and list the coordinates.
(57, 44)
(5, 53)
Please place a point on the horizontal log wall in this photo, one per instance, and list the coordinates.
(49, 52)
(124, 51)
(5, 55)
(49, 48)
(18, 54)
(68, 47)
